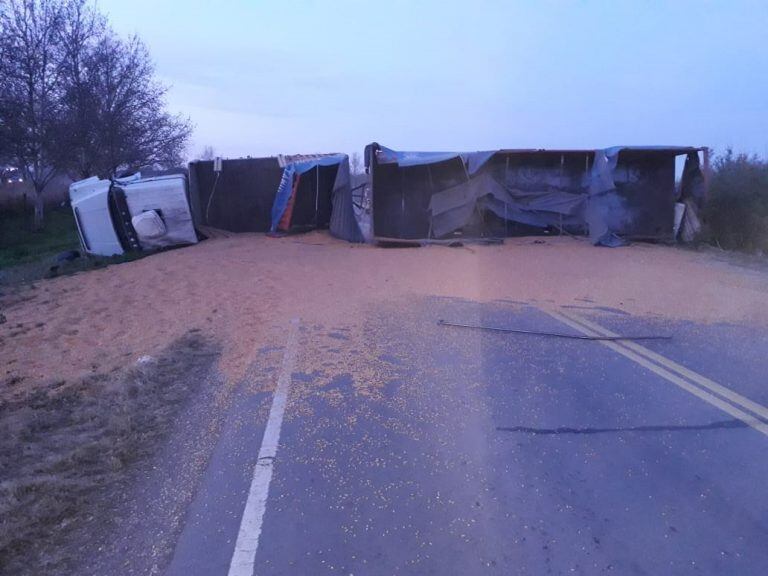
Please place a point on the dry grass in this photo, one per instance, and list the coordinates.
(63, 447)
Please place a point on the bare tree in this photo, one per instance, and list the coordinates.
(5, 145)
(354, 164)
(83, 26)
(120, 109)
(74, 97)
(5, 160)
(208, 153)
(30, 90)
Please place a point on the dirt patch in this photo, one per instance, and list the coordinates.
(244, 289)
(67, 449)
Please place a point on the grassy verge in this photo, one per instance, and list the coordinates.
(19, 245)
(65, 447)
(26, 256)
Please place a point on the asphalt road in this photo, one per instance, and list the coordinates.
(406, 447)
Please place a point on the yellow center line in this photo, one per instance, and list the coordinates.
(745, 417)
(695, 377)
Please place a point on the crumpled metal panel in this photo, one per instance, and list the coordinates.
(621, 190)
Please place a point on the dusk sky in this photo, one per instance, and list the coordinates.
(261, 78)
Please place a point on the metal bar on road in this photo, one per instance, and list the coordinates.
(552, 334)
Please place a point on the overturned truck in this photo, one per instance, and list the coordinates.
(611, 195)
(132, 214)
(276, 194)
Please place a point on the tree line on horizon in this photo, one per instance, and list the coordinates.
(77, 99)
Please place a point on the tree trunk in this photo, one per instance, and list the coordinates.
(37, 221)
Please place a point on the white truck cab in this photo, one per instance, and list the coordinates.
(132, 214)
(89, 199)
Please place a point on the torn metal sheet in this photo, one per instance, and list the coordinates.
(626, 192)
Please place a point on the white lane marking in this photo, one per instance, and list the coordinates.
(748, 419)
(695, 377)
(247, 543)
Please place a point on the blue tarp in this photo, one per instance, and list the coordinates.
(473, 161)
(286, 183)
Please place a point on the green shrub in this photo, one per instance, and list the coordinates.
(736, 213)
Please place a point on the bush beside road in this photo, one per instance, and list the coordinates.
(736, 213)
